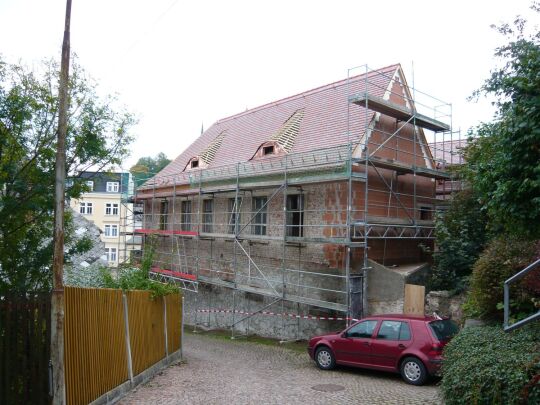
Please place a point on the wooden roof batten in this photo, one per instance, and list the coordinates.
(397, 111)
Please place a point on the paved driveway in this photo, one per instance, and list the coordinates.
(219, 371)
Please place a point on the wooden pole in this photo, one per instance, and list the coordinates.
(57, 302)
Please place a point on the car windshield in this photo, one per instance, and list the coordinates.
(444, 329)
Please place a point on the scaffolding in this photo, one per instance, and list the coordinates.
(131, 218)
(255, 227)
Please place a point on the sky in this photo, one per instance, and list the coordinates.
(179, 64)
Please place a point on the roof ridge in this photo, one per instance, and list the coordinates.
(305, 93)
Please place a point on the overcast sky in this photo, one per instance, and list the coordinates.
(177, 64)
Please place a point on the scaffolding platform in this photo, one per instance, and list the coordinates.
(270, 293)
(186, 281)
(177, 274)
(399, 112)
(165, 232)
(404, 168)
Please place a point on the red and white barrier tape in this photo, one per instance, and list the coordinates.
(267, 313)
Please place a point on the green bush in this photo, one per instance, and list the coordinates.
(461, 237)
(136, 278)
(485, 365)
(503, 258)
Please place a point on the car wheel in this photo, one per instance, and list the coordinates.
(413, 371)
(325, 358)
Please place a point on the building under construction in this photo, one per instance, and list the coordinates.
(284, 218)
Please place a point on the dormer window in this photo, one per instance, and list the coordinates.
(196, 163)
(268, 150)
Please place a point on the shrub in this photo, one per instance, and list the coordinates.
(503, 258)
(461, 236)
(485, 365)
(133, 278)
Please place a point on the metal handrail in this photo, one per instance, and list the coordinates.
(515, 277)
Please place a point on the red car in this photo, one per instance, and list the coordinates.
(405, 344)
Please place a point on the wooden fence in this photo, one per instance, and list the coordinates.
(95, 344)
(110, 337)
(99, 323)
(25, 348)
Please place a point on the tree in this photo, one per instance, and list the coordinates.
(503, 159)
(461, 237)
(147, 167)
(98, 138)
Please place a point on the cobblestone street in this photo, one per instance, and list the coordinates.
(218, 371)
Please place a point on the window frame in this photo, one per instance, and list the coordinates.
(269, 150)
(110, 251)
(113, 230)
(86, 208)
(260, 219)
(163, 214)
(208, 216)
(295, 215)
(90, 185)
(113, 207)
(112, 187)
(185, 215)
(233, 216)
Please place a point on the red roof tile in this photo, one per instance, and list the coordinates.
(448, 153)
(324, 124)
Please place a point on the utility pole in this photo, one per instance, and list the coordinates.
(57, 302)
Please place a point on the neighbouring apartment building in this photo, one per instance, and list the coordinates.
(306, 211)
(108, 204)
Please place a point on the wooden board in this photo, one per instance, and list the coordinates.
(414, 300)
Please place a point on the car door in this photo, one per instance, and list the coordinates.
(392, 338)
(353, 346)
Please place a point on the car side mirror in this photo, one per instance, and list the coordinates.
(344, 335)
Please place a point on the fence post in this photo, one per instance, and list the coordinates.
(128, 342)
(182, 332)
(165, 326)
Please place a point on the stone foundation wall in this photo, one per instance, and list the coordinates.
(444, 304)
(282, 327)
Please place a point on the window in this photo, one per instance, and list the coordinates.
(394, 330)
(111, 209)
(112, 186)
(185, 218)
(259, 209)
(234, 217)
(295, 215)
(362, 330)
(111, 254)
(444, 329)
(163, 212)
(208, 208)
(268, 150)
(405, 331)
(194, 163)
(111, 230)
(90, 185)
(425, 213)
(85, 208)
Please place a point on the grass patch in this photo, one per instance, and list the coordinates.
(296, 346)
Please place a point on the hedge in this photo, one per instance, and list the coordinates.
(485, 365)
